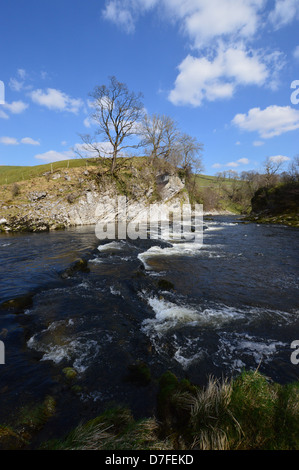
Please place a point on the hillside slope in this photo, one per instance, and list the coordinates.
(15, 174)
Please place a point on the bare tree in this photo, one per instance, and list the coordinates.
(190, 154)
(153, 128)
(163, 139)
(160, 137)
(117, 113)
(294, 169)
(171, 142)
(272, 167)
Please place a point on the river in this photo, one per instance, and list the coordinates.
(232, 305)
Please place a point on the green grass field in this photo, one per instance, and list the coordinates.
(14, 174)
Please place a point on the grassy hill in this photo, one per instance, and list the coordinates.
(222, 194)
(15, 174)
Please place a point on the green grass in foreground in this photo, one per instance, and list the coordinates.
(249, 412)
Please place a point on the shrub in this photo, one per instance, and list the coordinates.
(15, 190)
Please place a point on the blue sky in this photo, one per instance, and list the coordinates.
(223, 69)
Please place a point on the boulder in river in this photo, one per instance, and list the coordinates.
(79, 265)
(19, 304)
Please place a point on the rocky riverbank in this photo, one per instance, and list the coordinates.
(276, 205)
(80, 196)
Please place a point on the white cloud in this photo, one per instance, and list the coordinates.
(14, 141)
(56, 100)
(3, 115)
(258, 143)
(202, 21)
(207, 20)
(244, 161)
(125, 13)
(79, 148)
(29, 141)
(16, 107)
(119, 15)
(87, 122)
(53, 156)
(15, 84)
(22, 73)
(235, 164)
(219, 33)
(296, 53)
(275, 62)
(105, 148)
(269, 122)
(285, 12)
(279, 159)
(44, 75)
(201, 78)
(217, 165)
(9, 141)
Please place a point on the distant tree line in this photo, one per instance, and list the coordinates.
(273, 173)
(240, 188)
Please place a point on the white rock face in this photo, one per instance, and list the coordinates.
(96, 205)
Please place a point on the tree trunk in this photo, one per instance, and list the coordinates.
(113, 165)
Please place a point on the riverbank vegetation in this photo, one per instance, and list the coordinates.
(249, 412)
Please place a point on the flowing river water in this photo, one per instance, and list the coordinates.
(233, 305)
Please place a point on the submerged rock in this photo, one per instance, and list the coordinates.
(165, 285)
(19, 304)
(79, 265)
(69, 373)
